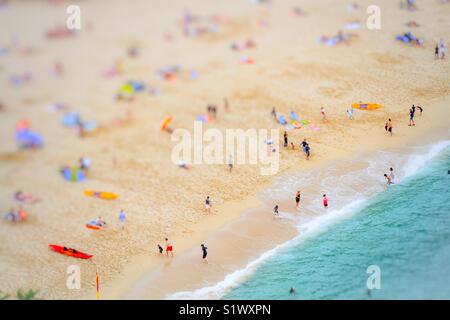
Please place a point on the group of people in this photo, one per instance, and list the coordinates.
(276, 212)
(212, 111)
(390, 177)
(16, 215)
(169, 249)
(304, 145)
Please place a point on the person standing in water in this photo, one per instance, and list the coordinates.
(391, 175)
(297, 199)
(325, 201)
(205, 252)
(388, 179)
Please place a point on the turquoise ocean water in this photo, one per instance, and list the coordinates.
(404, 230)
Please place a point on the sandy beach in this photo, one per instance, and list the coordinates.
(131, 156)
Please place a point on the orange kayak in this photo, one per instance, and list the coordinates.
(70, 252)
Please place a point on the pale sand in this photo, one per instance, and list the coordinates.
(292, 71)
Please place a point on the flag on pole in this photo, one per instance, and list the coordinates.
(97, 286)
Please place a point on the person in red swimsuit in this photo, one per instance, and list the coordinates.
(169, 248)
(325, 201)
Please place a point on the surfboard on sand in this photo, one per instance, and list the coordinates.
(366, 106)
(101, 194)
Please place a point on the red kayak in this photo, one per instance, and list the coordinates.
(70, 252)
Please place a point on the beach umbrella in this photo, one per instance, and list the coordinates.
(366, 106)
(166, 123)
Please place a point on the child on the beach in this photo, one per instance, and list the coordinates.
(325, 201)
(122, 218)
(350, 113)
(388, 179)
(420, 109)
(169, 248)
(285, 135)
(160, 249)
(208, 204)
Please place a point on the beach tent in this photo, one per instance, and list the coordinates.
(71, 119)
(293, 116)
(282, 119)
(73, 174)
(29, 139)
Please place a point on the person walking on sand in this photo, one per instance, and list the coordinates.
(169, 248)
(304, 144)
(285, 135)
(208, 204)
(307, 151)
(297, 199)
(122, 218)
(204, 252)
(275, 211)
(411, 116)
(230, 163)
(325, 201)
(274, 113)
(436, 52)
(322, 112)
(388, 126)
(350, 113)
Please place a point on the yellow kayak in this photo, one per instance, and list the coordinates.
(101, 194)
(366, 106)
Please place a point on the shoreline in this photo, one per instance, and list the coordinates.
(242, 214)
